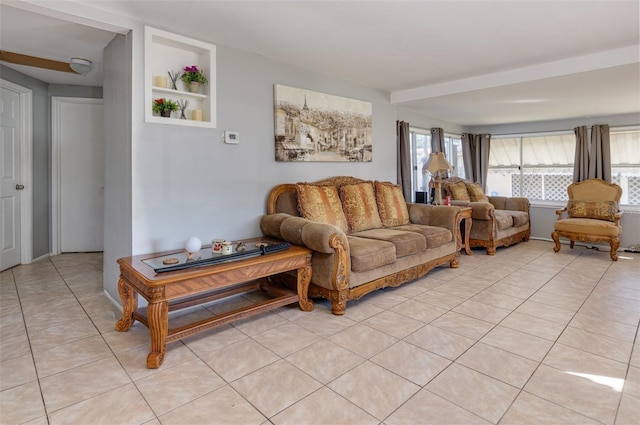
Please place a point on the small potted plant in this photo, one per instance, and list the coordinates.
(193, 78)
(164, 107)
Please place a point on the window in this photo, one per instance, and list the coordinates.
(625, 164)
(540, 167)
(453, 152)
(420, 151)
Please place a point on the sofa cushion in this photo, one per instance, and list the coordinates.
(391, 204)
(369, 254)
(406, 243)
(459, 191)
(359, 206)
(599, 210)
(476, 193)
(589, 226)
(321, 203)
(504, 220)
(520, 218)
(435, 236)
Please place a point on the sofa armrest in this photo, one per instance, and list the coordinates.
(299, 231)
(482, 210)
(434, 215)
(329, 243)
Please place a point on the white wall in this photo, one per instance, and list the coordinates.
(117, 153)
(420, 121)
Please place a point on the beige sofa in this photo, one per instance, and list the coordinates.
(363, 234)
(496, 220)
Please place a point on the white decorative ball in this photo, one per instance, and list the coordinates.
(193, 245)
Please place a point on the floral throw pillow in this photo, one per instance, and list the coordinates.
(359, 206)
(600, 210)
(476, 193)
(321, 203)
(391, 204)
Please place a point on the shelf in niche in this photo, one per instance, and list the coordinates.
(166, 52)
(179, 93)
(177, 121)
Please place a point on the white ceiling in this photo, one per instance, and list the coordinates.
(467, 62)
(37, 35)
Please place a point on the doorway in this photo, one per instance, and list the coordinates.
(16, 200)
(77, 172)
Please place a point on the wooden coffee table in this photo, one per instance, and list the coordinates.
(179, 289)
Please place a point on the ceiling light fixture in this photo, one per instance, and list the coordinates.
(81, 66)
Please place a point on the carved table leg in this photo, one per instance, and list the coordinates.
(304, 277)
(467, 231)
(158, 317)
(129, 301)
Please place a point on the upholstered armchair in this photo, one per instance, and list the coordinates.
(496, 220)
(592, 215)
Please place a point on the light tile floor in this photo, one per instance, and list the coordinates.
(525, 336)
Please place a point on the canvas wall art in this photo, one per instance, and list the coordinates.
(312, 126)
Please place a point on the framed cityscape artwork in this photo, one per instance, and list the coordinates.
(312, 126)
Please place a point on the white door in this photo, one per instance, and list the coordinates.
(10, 174)
(79, 143)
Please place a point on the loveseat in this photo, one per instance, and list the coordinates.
(363, 235)
(496, 220)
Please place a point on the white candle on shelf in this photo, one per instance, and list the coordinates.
(161, 81)
(196, 115)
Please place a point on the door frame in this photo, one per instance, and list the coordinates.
(26, 175)
(56, 137)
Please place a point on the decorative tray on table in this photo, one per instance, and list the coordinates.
(180, 260)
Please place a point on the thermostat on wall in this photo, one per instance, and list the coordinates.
(232, 137)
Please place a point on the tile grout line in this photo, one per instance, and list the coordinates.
(113, 353)
(520, 391)
(33, 360)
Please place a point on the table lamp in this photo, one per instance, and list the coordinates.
(436, 164)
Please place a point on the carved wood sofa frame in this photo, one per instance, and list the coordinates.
(282, 198)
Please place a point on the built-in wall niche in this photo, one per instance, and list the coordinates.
(170, 53)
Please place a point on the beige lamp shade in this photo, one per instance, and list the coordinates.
(437, 163)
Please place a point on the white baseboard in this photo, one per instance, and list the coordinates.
(114, 302)
(42, 257)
